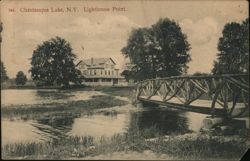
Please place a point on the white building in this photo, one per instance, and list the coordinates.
(100, 71)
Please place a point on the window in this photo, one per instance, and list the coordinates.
(105, 72)
(108, 72)
(94, 72)
(101, 71)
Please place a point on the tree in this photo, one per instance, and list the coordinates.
(233, 46)
(126, 74)
(158, 51)
(21, 78)
(4, 76)
(53, 63)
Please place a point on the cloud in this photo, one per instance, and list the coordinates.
(33, 35)
(203, 36)
(111, 24)
(100, 38)
(201, 31)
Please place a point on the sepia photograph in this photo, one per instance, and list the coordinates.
(124, 79)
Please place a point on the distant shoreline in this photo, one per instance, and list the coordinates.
(27, 87)
(59, 87)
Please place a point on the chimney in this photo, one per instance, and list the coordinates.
(92, 61)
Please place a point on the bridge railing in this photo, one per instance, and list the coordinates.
(228, 92)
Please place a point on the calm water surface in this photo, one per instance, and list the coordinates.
(97, 125)
(43, 96)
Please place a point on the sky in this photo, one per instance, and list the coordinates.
(105, 33)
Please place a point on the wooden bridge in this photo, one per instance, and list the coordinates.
(220, 95)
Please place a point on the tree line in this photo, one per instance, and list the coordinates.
(160, 50)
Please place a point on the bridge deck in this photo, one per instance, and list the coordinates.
(199, 106)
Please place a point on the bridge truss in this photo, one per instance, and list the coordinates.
(219, 95)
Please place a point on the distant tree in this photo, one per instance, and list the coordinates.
(53, 63)
(233, 46)
(158, 51)
(21, 78)
(4, 76)
(127, 74)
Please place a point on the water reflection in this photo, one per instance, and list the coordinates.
(147, 123)
(100, 125)
(54, 128)
(159, 121)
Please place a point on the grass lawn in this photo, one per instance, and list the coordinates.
(190, 146)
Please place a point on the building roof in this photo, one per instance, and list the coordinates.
(96, 61)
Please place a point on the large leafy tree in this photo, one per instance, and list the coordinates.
(158, 51)
(53, 63)
(21, 78)
(233, 46)
(4, 76)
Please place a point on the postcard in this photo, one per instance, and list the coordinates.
(124, 79)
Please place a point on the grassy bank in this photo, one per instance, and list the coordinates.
(181, 147)
(57, 109)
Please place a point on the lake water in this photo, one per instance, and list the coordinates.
(43, 96)
(96, 125)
